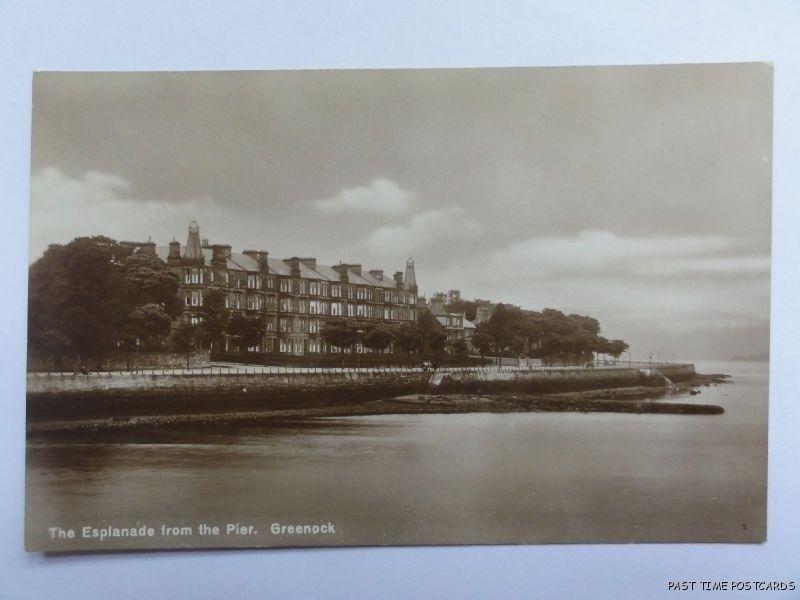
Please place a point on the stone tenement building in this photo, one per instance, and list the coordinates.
(295, 295)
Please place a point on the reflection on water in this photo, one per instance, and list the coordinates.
(458, 478)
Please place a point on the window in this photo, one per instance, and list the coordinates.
(211, 277)
(286, 325)
(193, 276)
(195, 319)
(286, 346)
(315, 307)
(303, 286)
(272, 303)
(361, 293)
(351, 310)
(323, 288)
(269, 325)
(194, 298)
(336, 309)
(336, 290)
(286, 285)
(271, 282)
(286, 305)
(301, 326)
(313, 288)
(254, 302)
(361, 310)
(302, 306)
(313, 326)
(253, 281)
(226, 277)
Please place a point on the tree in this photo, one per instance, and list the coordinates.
(378, 337)
(52, 344)
(616, 347)
(150, 281)
(501, 329)
(339, 333)
(408, 337)
(436, 340)
(248, 329)
(431, 333)
(184, 339)
(214, 319)
(460, 348)
(79, 295)
(150, 324)
(482, 340)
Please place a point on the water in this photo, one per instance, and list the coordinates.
(426, 479)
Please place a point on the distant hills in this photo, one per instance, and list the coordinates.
(763, 357)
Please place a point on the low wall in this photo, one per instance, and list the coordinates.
(125, 361)
(556, 379)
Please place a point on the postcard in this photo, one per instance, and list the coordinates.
(399, 307)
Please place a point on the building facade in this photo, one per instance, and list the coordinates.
(295, 296)
(456, 325)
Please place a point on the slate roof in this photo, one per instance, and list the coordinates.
(277, 266)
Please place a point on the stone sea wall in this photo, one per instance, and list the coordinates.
(71, 395)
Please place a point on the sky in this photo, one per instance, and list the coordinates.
(638, 195)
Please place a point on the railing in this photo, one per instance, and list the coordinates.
(235, 369)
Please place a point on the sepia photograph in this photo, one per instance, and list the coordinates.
(398, 307)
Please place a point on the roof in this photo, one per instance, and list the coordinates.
(277, 266)
(372, 280)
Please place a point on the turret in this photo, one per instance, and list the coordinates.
(410, 282)
(194, 251)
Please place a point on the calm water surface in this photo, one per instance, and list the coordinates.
(402, 479)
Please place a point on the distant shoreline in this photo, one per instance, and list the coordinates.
(763, 357)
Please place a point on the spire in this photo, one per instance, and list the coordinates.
(194, 250)
(410, 279)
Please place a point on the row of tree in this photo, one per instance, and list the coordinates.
(426, 335)
(550, 335)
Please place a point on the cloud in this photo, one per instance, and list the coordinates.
(603, 252)
(381, 196)
(64, 207)
(428, 228)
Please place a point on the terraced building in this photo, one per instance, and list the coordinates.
(294, 295)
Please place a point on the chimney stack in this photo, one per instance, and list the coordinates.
(398, 279)
(262, 259)
(342, 271)
(377, 274)
(311, 263)
(148, 247)
(355, 268)
(294, 265)
(174, 257)
(220, 253)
